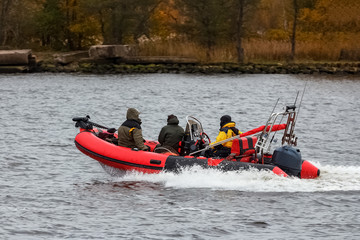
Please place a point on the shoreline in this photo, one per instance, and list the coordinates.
(338, 68)
(117, 59)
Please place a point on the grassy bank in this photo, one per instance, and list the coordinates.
(260, 50)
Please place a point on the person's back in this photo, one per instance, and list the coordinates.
(130, 133)
(227, 130)
(171, 134)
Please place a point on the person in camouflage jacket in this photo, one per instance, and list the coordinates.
(130, 133)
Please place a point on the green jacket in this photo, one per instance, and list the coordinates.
(171, 134)
(130, 133)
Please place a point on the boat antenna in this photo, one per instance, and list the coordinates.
(302, 96)
(297, 94)
(277, 101)
(274, 107)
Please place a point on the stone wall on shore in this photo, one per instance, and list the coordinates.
(111, 67)
(103, 59)
(119, 59)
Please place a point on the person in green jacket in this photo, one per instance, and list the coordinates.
(171, 134)
(130, 133)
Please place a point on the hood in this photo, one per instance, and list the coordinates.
(132, 113)
(230, 124)
(173, 120)
(224, 120)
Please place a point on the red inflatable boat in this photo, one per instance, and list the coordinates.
(249, 150)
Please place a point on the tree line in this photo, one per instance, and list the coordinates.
(234, 30)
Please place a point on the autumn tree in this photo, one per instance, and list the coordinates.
(271, 19)
(122, 21)
(206, 22)
(5, 6)
(210, 24)
(51, 23)
(327, 16)
(294, 28)
(164, 20)
(16, 22)
(82, 28)
(71, 14)
(240, 13)
(298, 5)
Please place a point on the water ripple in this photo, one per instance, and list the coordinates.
(49, 190)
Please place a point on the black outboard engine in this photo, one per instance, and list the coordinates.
(83, 122)
(288, 159)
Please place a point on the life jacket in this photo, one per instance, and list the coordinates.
(227, 131)
(132, 124)
(234, 129)
(244, 146)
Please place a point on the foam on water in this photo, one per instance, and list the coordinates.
(332, 178)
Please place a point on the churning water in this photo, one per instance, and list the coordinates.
(50, 190)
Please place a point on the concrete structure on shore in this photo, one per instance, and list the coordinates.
(12, 61)
(109, 51)
(117, 54)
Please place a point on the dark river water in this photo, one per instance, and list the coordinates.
(50, 190)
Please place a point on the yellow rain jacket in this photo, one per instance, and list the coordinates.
(225, 133)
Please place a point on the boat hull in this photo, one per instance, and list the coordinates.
(149, 162)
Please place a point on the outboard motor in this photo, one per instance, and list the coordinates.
(83, 122)
(288, 159)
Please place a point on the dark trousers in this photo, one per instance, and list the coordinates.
(221, 151)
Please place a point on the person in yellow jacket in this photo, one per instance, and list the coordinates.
(227, 130)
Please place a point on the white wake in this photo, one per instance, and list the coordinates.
(332, 178)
